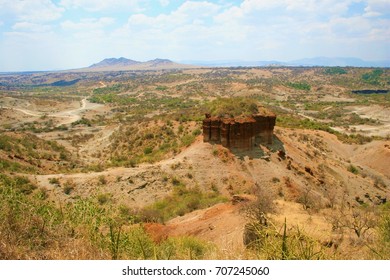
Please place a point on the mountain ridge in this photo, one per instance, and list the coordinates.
(313, 61)
(122, 63)
(114, 61)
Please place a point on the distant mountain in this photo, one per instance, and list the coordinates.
(339, 61)
(160, 63)
(125, 64)
(316, 61)
(110, 62)
(233, 63)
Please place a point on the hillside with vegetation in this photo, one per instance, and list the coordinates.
(112, 165)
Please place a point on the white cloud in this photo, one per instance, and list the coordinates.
(377, 8)
(31, 27)
(32, 10)
(187, 13)
(87, 24)
(103, 5)
(223, 29)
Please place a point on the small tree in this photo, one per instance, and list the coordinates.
(359, 220)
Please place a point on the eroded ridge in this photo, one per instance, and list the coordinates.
(241, 133)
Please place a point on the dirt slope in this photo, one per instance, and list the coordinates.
(315, 165)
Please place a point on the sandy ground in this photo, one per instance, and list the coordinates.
(223, 224)
(65, 117)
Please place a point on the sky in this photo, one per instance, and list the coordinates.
(67, 34)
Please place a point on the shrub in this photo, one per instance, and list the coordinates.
(68, 187)
(263, 204)
(233, 106)
(382, 249)
(103, 198)
(187, 140)
(300, 85)
(54, 181)
(291, 243)
(148, 150)
(102, 180)
(335, 71)
(353, 169)
(184, 200)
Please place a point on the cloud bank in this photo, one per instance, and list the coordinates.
(64, 34)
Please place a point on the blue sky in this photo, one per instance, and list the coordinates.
(65, 34)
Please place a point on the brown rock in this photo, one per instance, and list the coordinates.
(241, 133)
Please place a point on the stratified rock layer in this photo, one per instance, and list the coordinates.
(241, 133)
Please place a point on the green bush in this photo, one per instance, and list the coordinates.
(299, 85)
(335, 71)
(270, 243)
(68, 187)
(184, 200)
(54, 181)
(187, 140)
(383, 245)
(373, 77)
(148, 150)
(234, 106)
(353, 169)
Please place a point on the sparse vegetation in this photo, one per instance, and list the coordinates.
(299, 85)
(142, 132)
(335, 71)
(233, 106)
(183, 200)
(373, 77)
(34, 229)
(353, 169)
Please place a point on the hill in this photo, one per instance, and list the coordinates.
(124, 64)
(112, 62)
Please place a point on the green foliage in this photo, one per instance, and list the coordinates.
(184, 200)
(82, 121)
(299, 85)
(110, 89)
(235, 106)
(353, 169)
(335, 71)
(291, 121)
(187, 140)
(197, 132)
(286, 244)
(19, 183)
(13, 166)
(382, 249)
(112, 98)
(102, 180)
(27, 223)
(68, 187)
(147, 142)
(161, 88)
(148, 150)
(353, 138)
(103, 198)
(34, 228)
(30, 150)
(373, 77)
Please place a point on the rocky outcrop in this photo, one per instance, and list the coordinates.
(241, 133)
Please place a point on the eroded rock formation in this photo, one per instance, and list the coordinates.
(241, 133)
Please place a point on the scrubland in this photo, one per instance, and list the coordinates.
(112, 165)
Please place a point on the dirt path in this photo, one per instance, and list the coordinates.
(69, 116)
